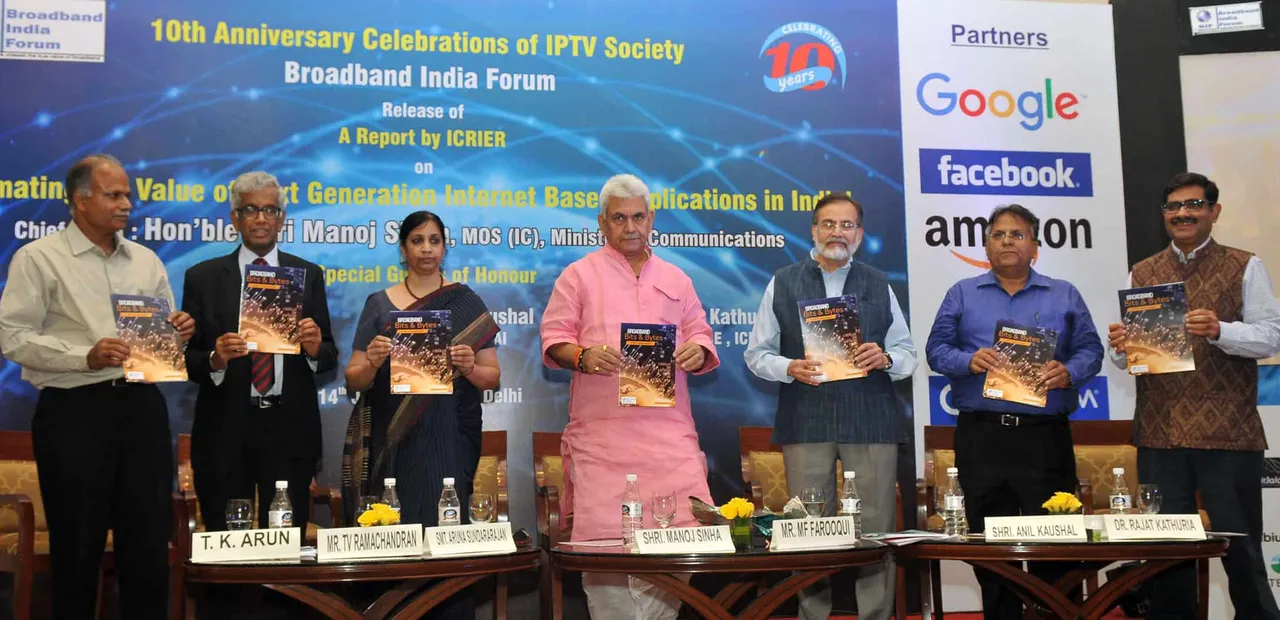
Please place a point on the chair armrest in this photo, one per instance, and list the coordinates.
(922, 504)
(748, 486)
(184, 511)
(1086, 494)
(26, 510)
(331, 498)
(501, 505)
(899, 522)
(757, 493)
(549, 522)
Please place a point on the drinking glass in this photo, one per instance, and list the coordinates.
(814, 501)
(367, 502)
(664, 508)
(481, 508)
(239, 514)
(1149, 498)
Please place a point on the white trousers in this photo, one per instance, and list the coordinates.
(614, 596)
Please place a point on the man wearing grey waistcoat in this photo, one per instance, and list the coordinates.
(856, 419)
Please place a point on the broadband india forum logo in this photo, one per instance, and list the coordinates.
(803, 56)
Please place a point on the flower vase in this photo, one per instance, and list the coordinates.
(740, 532)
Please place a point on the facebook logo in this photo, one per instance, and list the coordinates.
(1093, 403)
(1005, 173)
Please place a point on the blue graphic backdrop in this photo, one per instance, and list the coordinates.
(202, 113)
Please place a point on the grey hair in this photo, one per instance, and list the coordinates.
(80, 176)
(1017, 211)
(622, 186)
(254, 181)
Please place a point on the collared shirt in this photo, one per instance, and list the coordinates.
(603, 441)
(766, 335)
(966, 322)
(246, 257)
(1257, 335)
(57, 303)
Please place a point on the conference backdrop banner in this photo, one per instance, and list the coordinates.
(505, 118)
(1010, 102)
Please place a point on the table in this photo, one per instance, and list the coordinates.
(998, 557)
(808, 567)
(296, 579)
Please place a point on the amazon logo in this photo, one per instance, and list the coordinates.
(964, 235)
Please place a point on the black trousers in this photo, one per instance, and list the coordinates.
(256, 465)
(106, 462)
(1230, 484)
(1009, 471)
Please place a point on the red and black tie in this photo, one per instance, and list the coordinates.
(264, 364)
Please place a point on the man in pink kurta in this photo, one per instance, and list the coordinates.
(624, 282)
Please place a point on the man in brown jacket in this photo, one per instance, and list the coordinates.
(1200, 430)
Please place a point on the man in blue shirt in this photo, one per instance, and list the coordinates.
(1012, 457)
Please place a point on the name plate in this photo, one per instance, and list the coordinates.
(470, 539)
(823, 533)
(1065, 528)
(364, 543)
(246, 545)
(711, 539)
(1154, 527)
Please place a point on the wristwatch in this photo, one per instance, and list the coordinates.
(889, 364)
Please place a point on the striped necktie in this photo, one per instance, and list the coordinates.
(264, 364)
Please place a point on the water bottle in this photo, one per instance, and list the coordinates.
(851, 504)
(280, 513)
(956, 524)
(1121, 500)
(389, 496)
(450, 507)
(632, 510)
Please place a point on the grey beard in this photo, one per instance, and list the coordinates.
(835, 252)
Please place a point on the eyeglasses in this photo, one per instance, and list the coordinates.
(1193, 205)
(830, 225)
(251, 212)
(1016, 235)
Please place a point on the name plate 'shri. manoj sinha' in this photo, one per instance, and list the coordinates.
(1062, 528)
(710, 539)
(471, 539)
(247, 545)
(823, 533)
(1154, 527)
(366, 543)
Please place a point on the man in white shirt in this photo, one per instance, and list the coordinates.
(257, 418)
(1200, 430)
(857, 419)
(102, 445)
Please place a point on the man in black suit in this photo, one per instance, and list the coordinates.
(257, 417)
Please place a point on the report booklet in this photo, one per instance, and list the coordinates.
(1155, 320)
(1025, 351)
(155, 350)
(270, 308)
(647, 375)
(832, 334)
(420, 352)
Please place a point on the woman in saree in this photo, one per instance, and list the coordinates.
(418, 439)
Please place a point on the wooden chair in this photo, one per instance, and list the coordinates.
(24, 534)
(491, 472)
(553, 527)
(764, 478)
(330, 497)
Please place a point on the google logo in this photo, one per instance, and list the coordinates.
(1030, 105)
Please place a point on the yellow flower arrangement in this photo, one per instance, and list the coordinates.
(379, 514)
(737, 508)
(1062, 504)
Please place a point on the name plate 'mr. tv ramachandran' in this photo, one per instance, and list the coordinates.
(363, 543)
(247, 545)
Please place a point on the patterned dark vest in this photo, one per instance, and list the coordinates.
(1214, 407)
(860, 411)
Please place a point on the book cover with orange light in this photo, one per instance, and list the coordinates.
(270, 308)
(156, 352)
(1023, 351)
(1155, 322)
(832, 334)
(420, 352)
(647, 375)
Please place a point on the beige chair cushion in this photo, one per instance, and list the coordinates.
(554, 469)
(19, 477)
(9, 543)
(1096, 463)
(769, 471)
(486, 480)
